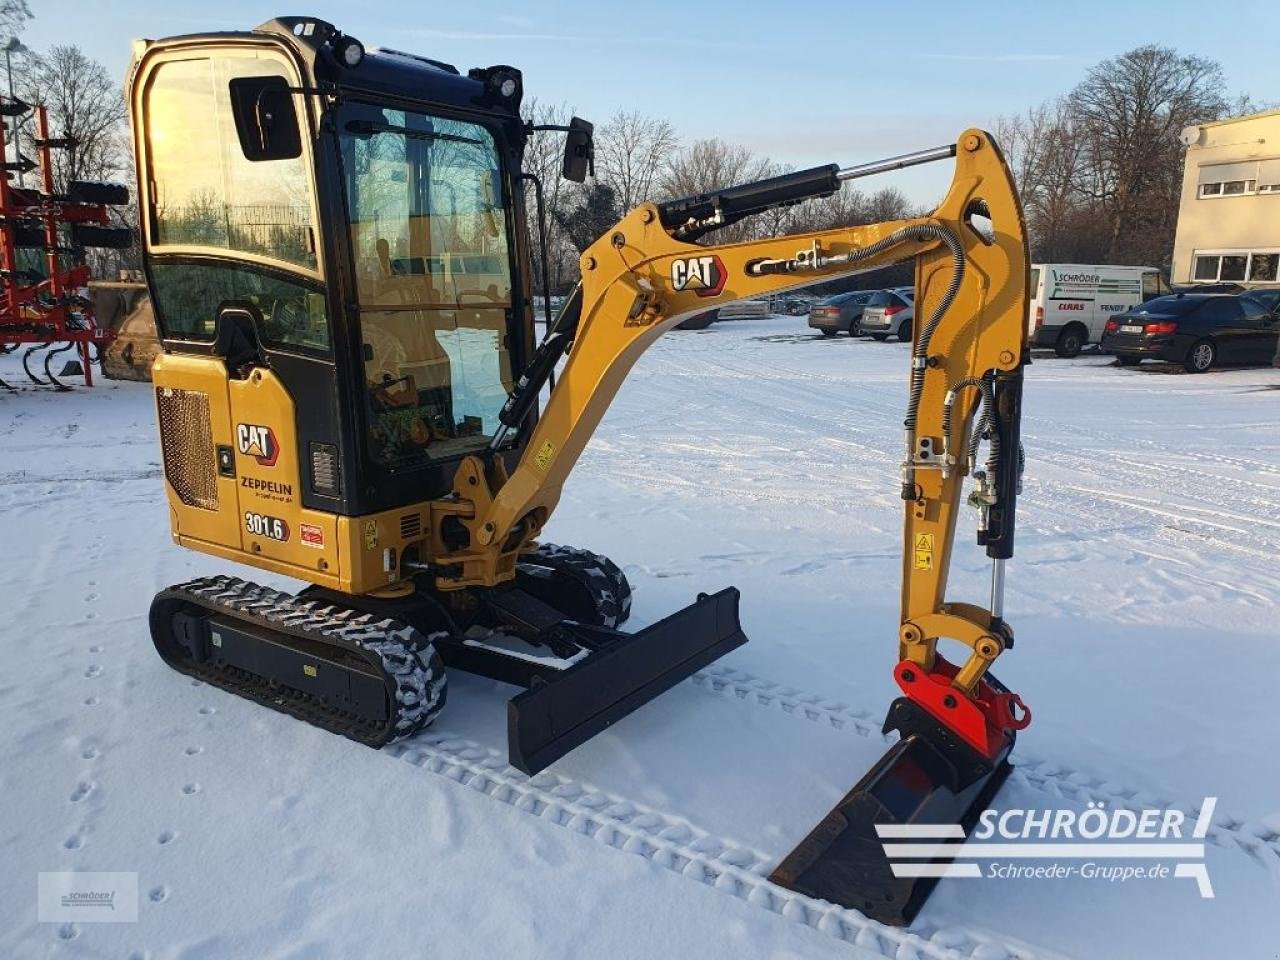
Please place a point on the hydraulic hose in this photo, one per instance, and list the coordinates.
(920, 353)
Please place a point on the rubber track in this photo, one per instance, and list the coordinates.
(407, 657)
(607, 584)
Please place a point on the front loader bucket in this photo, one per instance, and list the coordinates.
(928, 788)
(550, 719)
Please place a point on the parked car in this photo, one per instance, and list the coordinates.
(1198, 330)
(841, 313)
(795, 304)
(1071, 302)
(890, 312)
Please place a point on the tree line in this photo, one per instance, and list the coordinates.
(1099, 169)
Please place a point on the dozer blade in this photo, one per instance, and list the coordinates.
(928, 778)
(550, 719)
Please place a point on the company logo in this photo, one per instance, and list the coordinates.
(309, 535)
(258, 442)
(1076, 277)
(703, 275)
(87, 897)
(1071, 306)
(1093, 844)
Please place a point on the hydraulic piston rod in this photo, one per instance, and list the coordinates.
(932, 155)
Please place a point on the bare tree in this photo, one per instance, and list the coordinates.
(1128, 112)
(1046, 155)
(83, 104)
(14, 15)
(705, 166)
(631, 151)
(543, 157)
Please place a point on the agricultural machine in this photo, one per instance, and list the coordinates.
(44, 302)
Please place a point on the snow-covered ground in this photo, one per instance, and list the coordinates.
(1144, 595)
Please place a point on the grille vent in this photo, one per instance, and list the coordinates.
(186, 441)
(411, 526)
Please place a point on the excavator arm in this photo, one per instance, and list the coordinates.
(642, 278)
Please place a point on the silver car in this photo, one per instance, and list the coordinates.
(890, 313)
(842, 312)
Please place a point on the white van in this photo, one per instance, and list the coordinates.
(1072, 302)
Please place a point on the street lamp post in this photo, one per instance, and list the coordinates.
(14, 45)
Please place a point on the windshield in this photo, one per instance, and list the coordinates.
(882, 299)
(433, 277)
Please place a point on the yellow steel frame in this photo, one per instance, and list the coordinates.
(630, 299)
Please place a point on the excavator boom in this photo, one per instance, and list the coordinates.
(956, 722)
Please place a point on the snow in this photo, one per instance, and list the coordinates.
(1143, 593)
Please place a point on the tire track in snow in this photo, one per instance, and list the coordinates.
(1210, 527)
(673, 843)
(1252, 838)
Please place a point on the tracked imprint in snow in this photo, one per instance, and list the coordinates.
(674, 844)
(1057, 780)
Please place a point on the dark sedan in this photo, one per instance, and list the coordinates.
(841, 313)
(1196, 330)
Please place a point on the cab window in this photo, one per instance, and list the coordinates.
(428, 227)
(205, 193)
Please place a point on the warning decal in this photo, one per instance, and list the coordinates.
(543, 459)
(923, 550)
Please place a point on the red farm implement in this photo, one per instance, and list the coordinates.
(44, 302)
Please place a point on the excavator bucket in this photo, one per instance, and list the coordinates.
(623, 672)
(929, 788)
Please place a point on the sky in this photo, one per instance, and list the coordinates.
(805, 84)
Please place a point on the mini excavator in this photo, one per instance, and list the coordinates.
(340, 261)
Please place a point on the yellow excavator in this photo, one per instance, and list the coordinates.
(340, 262)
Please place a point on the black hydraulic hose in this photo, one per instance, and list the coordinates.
(920, 353)
(981, 424)
(540, 368)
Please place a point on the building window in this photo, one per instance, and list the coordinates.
(1229, 188)
(1269, 188)
(1235, 266)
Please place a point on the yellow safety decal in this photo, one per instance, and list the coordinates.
(545, 452)
(309, 670)
(371, 534)
(924, 551)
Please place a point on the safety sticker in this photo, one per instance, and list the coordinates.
(924, 551)
(309, 535)
(545, 452)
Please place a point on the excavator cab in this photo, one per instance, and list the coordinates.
(376, 242)
(337, 252)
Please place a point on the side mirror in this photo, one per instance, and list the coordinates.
(579, 151)
(266, 121)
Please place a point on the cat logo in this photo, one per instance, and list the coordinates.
(257, 442)
(703, 275)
